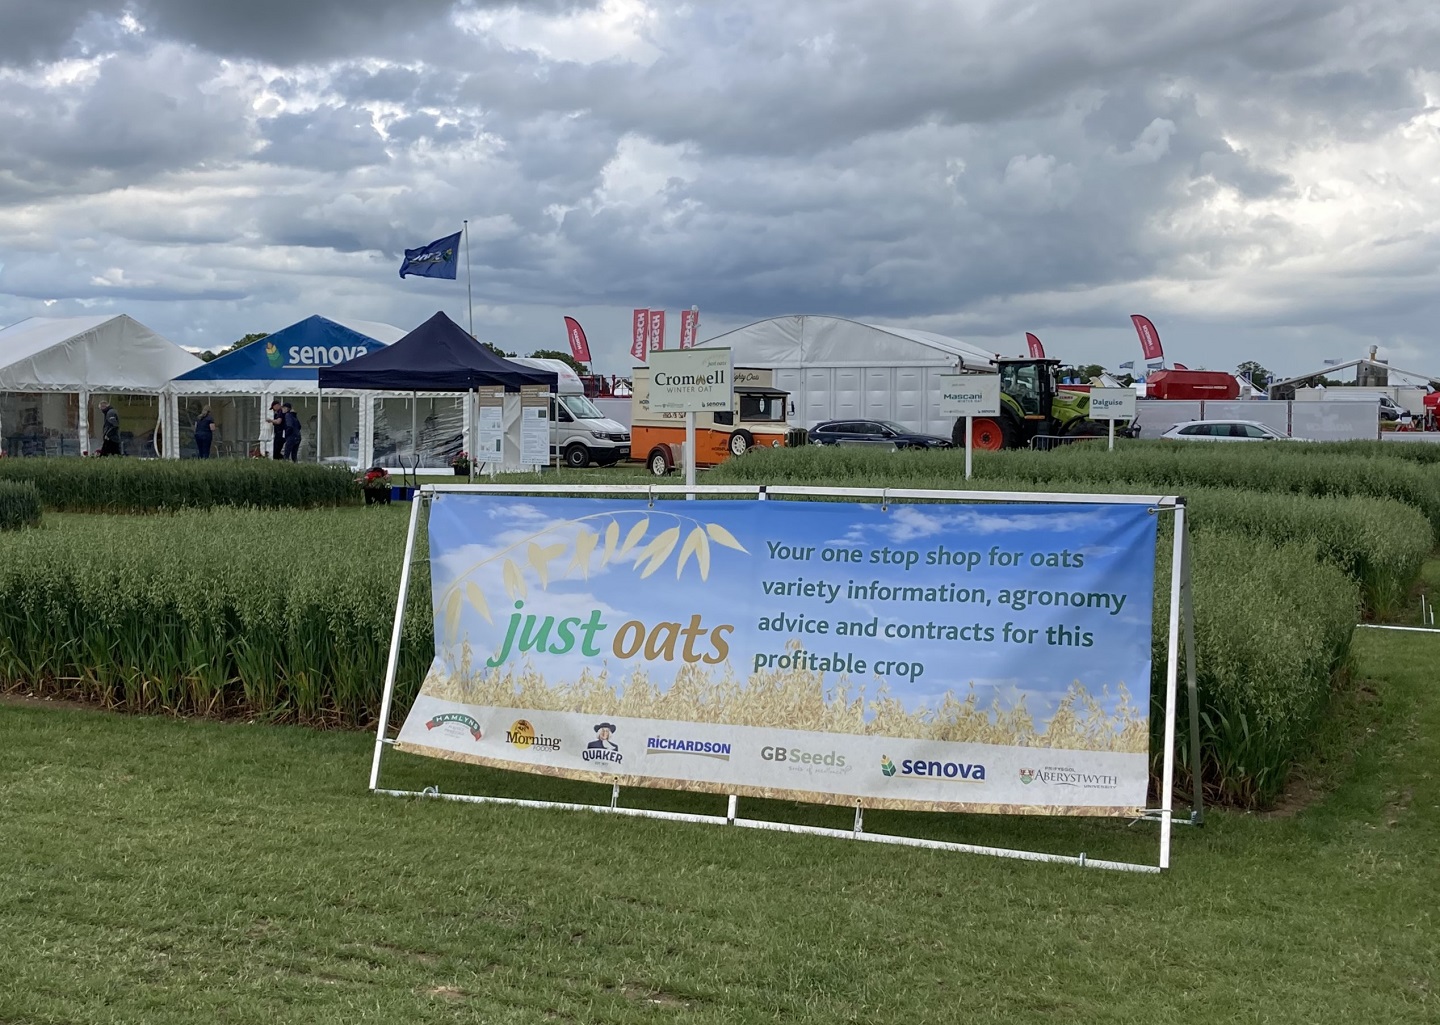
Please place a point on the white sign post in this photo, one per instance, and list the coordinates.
(969, 395)
(1112, 404)
(691, 381)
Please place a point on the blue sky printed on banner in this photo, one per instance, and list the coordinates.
(1115, 545)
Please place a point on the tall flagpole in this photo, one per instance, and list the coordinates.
(469, 298)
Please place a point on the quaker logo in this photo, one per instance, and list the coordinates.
(522, 734)
(602, 748)
(946, 772)
(1065, 776)
(273, 355)
(679, 746)
(455, 722)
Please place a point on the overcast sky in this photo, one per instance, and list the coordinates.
(1261, 179)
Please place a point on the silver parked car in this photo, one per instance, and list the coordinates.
(1223, 430)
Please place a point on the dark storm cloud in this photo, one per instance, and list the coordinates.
(280, 31)
(968, 165)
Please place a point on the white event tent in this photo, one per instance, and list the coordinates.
(237, 389)
(835, 368)
(54, 372)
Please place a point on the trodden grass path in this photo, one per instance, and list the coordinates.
(159, 871)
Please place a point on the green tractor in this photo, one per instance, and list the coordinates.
(1033, 405)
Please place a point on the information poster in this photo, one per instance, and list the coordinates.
(990, 658)
(534, 425)
(490, 426)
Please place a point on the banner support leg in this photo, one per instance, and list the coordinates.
(393, 662)
(1197, 807)
(1172, 672)
(730, 809)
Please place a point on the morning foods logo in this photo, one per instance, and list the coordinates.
(522, 734)
(456, 722)
(683, 746)
(1064, 776)
(602, 748)
(918, 768)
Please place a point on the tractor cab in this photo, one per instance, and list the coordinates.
(1031, 383)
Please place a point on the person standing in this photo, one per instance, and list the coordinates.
(277, 423)
(204, 432)
(292, 433)
(109, 430)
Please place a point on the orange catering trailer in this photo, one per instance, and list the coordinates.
(758, 419)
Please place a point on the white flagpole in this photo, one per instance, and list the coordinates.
(469, 298)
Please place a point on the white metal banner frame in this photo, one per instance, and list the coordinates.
(1180, 631)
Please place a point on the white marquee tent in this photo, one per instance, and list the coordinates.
(835, 368)
(55, 370)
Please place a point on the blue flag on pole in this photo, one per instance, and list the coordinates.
(1129, 365)
(439, 259)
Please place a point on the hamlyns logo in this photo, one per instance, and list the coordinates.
(602, 748)
(522, 734)
(318, 355)
(952, 772)
(678, 746)
(456, 719)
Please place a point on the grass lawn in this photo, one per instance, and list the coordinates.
(157, 871)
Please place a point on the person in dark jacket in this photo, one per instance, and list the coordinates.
(204, 432)
(110, 430)
(292, 433)
(277, 422)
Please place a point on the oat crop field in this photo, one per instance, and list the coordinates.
(174, 871)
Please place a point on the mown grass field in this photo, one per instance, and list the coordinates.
(166, 871)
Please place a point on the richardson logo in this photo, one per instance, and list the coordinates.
(677, 746)
(457, 722)
(522, 734)
(602, 748)
(1064, 776)
(917, 768)
(813, 761)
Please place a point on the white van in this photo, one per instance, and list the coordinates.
(580, 434)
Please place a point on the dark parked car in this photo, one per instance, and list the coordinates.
(873, 432)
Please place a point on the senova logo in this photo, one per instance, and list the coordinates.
(917, 768)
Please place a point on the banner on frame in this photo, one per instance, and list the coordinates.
(991, 658)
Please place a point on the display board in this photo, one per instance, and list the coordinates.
(970, 395)
(490, 426)
(691, 381)
(988, 658)
(534, 425)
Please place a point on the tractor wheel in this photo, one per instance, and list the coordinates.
(988, 434)
(1088, 429)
